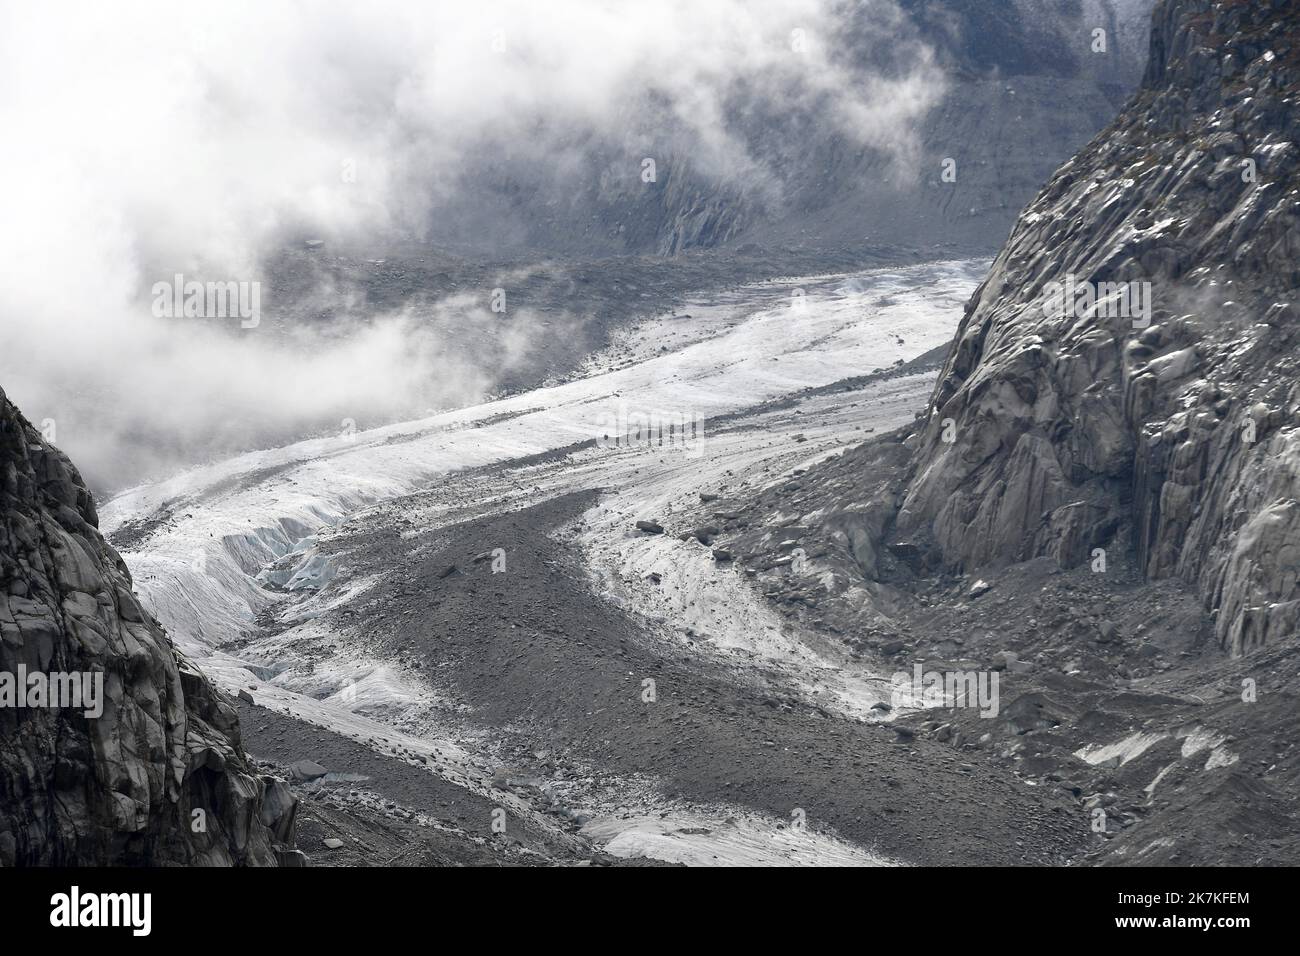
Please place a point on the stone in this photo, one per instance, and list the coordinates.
(71, 792)
(706, 533)
(279, 809)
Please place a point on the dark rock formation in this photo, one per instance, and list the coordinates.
(1171, 421)
(159, 776)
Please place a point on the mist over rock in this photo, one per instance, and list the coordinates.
(1004, 89)
(384, 173)
(159, 777)
(1168, 425)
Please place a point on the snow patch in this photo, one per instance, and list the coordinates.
(736, 839)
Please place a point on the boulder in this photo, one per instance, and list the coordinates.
(306, 770)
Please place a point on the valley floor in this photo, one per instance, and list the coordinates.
(461, 622)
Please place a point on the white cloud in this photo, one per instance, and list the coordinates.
(148, 138)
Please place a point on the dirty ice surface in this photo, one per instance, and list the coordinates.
(210, 538)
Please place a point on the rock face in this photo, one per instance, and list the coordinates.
(1167, 422)
(1017, 86)
(159, 776)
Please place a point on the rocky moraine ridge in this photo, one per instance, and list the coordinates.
(159, 776)
(1053, 432)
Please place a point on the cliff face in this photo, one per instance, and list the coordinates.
(1163, 416)
(158, 776)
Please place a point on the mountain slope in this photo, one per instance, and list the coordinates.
(1016, 86)
(159, 776)
(1054, 431)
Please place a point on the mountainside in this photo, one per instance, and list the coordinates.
(1024, 83)
(154, 772)
(1170, 423)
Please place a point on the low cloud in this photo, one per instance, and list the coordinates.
(146, 139)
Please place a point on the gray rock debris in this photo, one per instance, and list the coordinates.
(306, 770)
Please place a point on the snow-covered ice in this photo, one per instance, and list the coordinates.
(223, 531)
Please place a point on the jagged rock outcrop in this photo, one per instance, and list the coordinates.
(1164, 412)
(157, 777)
